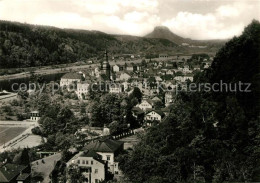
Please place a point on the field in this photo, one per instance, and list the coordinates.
(8, 133)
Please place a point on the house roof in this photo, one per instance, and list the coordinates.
(9, 171)
(156, 111)
(137, 110)
(125, 73)
(46, 167)
(23, 176)
(106, 145)
(89, 153)
(150, 101)
(166, 109)
(156, 98)
(72, 75)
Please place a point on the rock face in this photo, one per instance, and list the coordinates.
(165, 33)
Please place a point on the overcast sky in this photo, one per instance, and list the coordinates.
(196, 19)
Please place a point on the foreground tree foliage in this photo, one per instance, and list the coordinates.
(208, 136)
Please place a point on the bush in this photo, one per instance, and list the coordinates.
(14, 102)
(37, 131)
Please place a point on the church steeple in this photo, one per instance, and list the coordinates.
(105, 66)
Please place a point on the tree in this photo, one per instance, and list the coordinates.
(136, 94)
(75, 176)
(208, 136)
(48, 126)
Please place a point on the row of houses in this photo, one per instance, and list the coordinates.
(96, 162)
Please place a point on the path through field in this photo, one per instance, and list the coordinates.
(17, 134)
(8, 133)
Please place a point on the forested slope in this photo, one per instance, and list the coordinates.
(24, 45)
(209, 136)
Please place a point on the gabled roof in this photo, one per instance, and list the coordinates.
(9, 171)
(106, 145)
(124, 72)
(150, 101)
(72, 75)
(156, 98)
(137, 110)
(89, 153)
(156, 111)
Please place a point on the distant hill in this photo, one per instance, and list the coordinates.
(25, 45)
(164, 32)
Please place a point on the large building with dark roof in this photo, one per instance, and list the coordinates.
(91, 165)
(14, 173)
(70, 80)
(108, 149)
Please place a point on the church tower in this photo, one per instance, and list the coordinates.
(105, 67)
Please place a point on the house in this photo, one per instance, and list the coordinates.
(108, 149)
(116, 88)
(169, 65)
(82, 89)
(158, 79)
(35, 116)
(124, 76)
(196, 67)
(70, 80)
(129, 67)
(117, 68)
(169, 98)
(19, 171)
(155, 99)
(163, 56)
(153, 116)
(183, 78)
(186, 69)
(14, 173)
(91, 165)
(97, 72)
(169, 72)
(146, 104)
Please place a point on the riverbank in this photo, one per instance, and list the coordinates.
(60, 69)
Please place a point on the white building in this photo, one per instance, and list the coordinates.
(124, 76)
(82, 89)
(169, 98)
(154, 115)
(35, 116)
(91, 166)
(108, 149)
(145, 104)
(70, 80)
(183, 78)
(186, 69)
(116, 68)
(116, 88)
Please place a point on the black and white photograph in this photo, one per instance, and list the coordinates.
(129, 91)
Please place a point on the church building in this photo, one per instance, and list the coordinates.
(105, 68)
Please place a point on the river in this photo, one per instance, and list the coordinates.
(7, 84)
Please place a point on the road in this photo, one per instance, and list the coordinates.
(63, 69)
